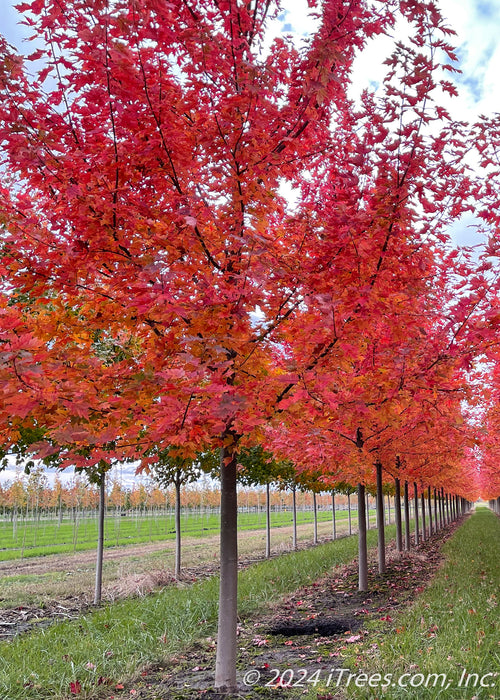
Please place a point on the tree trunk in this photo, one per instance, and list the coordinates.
(315, 515)
(417, 524)
(177, 566)
(388, 509)
(362, 547)
(397, 515)
(380, 520)
(422, 500)
(407, 517)
(268, 521)
(429, 503)
(367, 512)
(225, 663)
(349, 512)
(436, 521)
(100, 541)
(294, 505)
(334, 524)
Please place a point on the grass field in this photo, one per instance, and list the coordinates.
(451, 628)
(116, 641)
(33, 539)
(447, 645)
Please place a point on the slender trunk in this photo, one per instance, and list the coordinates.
(333, 517)
(429, 503)
(177, 568)
(100, 541)
(294, 505)
(380, 520)
(436, 522)
(422, 500)
(388, 509)
(315, 516)
(417, 524)
(362, 547)
(367, 512)
(349, 512)
(225, 663)
(268, 521)
(407, 517)
(397, 515)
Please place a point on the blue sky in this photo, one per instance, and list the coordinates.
(477, 23)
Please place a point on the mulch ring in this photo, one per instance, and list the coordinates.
(309, 632)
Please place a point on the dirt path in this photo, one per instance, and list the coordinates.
(66, 562)
(35, 592)
(281, 539)
(309, 637)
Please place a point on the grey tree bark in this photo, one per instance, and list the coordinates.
(334, 523)
(100, 540)
(422, 500)
(407, 517)
(177, 565)
(349, 512)
(417, 524)
(436, 521)
(429, 503)
(294, 516)
(225, 662)
(315, 515)
(380, 520)
(397, 516)
(268, 521)
(362, 546)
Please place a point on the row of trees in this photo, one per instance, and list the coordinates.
(36, 493)
(162, 300)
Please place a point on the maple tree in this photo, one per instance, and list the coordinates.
(171, 293)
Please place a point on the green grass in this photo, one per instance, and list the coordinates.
(33, 539)
(116, 641)
(452, 628)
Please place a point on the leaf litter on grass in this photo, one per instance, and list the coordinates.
(319, 627)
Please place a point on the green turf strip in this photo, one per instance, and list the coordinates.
(447, 644)
(114, 641)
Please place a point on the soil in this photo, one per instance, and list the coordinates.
(22, 618)
(304, 637)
